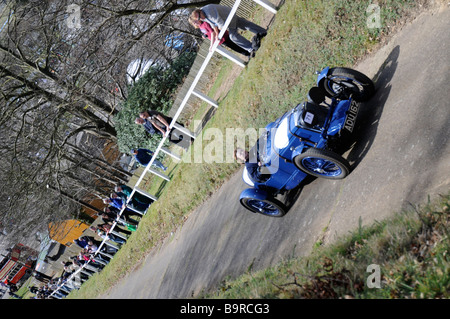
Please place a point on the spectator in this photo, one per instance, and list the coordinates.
(82, 241)
(156, 122)
(33, 289)
(149, 128)
(119, 201)
(138, 197)
(208, 32)
(111, 214)
(105, 235)
(12, 287)
(158, 118)
(216, 15)
(133, 203)
(84, 256)
(69, 269)
(143, 156)
(41, 276)
(253, 165)
(107, 228)
(174, 138)
(92, 254)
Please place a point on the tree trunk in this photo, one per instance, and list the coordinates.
(92, 101)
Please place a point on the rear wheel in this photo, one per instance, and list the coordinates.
(322, 163)
(347, 80)
(268, 207)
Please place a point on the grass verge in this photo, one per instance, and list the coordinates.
(405, 256)
(306, 36)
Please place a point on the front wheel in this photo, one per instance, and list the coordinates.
(267, 207)
(322, 163)
(345, 80)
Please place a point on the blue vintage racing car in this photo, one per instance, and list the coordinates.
(303, 141)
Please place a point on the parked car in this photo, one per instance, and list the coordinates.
(304, 140)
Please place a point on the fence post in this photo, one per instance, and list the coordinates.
(205, 98)
(267, 4)
(231, 56)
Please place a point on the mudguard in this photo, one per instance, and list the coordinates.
(298, 150)
(254, 193)
(339, 117)
(322, 75)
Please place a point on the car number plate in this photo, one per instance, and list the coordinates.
(351, 116)
(309, 117)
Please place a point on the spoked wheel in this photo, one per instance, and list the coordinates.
(268, 207)
(322, 163)
(347, 80)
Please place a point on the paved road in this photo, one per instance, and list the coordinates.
(402, 156)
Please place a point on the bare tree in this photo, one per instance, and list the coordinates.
(61, 83)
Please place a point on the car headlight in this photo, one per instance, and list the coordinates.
(246, 178)
(281, 139)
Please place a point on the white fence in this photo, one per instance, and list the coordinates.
(68, 285)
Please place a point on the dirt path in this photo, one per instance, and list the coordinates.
(401, 157)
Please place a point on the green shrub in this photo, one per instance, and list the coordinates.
(154, 90)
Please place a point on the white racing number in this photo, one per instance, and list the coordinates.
(309, 117)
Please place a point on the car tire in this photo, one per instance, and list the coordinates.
(322, 163)
(267, 207)
(361, 86)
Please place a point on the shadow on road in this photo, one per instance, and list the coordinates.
(290, 197)
(372, 110)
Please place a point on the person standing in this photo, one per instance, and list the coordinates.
(216, 15)
(119, 201)
(161, 129)
(111, 214)
(143, 156)
(253, 165)
(106, 236)
(161, 125)
(208, 32)
(139, 197)
(158, 119)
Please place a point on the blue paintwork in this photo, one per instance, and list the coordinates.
(338, 117)
(299, 137)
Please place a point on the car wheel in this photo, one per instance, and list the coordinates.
(352, 81)
(322, 163)
(267, 207)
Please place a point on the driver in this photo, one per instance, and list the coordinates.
(252, 163)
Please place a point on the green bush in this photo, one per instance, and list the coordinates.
(154, 90)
